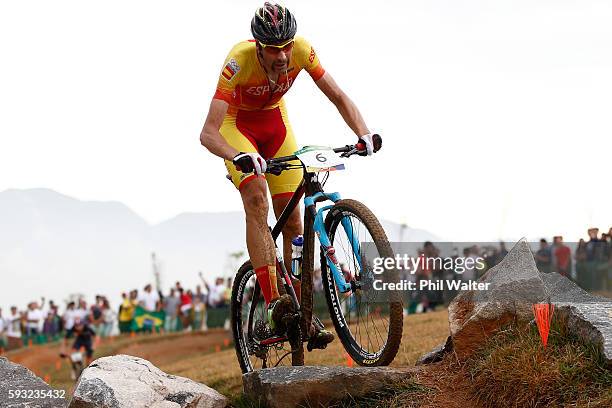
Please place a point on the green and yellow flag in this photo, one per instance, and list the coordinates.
(147, 320)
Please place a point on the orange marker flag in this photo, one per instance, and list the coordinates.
(47, 378)
(349, 360)
(58, 365)
(132, 334)
(226, 342)
(217, 348)
(543, 313)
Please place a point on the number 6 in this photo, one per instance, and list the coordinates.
(320, 157)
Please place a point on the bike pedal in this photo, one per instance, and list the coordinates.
(317, 323)
(311, 347)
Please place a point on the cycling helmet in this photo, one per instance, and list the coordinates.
(273, 24)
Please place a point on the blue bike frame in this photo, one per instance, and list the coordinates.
(326, 247)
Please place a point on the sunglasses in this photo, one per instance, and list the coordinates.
(276, 49)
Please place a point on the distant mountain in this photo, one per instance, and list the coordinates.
(54, 245)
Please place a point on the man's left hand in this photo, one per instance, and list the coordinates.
(373, 143)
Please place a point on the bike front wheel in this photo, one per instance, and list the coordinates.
(369, 328)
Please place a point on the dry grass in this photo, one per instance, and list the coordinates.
(515, 370)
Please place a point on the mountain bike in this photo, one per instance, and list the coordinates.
(76, 362)
(368, 324)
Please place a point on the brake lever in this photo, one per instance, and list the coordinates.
(349, 153)
(276, 168)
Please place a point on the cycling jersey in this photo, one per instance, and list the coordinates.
(256, 120)
(244, 85)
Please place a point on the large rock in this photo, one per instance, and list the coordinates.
(18, 378)
(317, 386)
(587, 316)
(514, 286)
(592, 322)
(124, 381)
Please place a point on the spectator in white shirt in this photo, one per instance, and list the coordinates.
(69, 316)
(14, 328)
(14, 323)
(34, 319)
(108, 316)
(81, 313)
(149, 299)
(215, 293)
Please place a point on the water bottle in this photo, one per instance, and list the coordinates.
(297, 244)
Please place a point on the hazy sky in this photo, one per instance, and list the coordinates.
(496, 116)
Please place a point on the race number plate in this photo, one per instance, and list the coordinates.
(319, 158)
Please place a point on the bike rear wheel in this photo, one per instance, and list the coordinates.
(248, 307)
(369, 328)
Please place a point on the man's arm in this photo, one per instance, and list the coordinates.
(203, 281)
(210, 136)
(345, 106)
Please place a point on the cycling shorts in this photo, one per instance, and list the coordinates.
(83, 342)
(268, 133)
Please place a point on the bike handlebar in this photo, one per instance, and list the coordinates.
(346, 151)
(277, 165)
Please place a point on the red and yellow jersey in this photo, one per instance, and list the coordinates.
(243, 83)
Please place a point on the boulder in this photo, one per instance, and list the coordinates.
(515, 285)
(124, 381)
(562, 290)
(18, 378)
(281, 387)
(587, 316)
(592, 322)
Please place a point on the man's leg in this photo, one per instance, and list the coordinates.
(291, 229)
(259, 240)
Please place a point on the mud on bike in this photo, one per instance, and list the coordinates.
(369, 328)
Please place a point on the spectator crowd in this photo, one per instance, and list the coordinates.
(179, 310)
(589, 266)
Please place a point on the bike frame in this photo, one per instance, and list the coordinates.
(313, 191)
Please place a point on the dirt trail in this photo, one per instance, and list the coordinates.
(209, 357)
(451, 387)
(161, 350)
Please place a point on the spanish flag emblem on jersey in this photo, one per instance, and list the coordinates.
(230, 69)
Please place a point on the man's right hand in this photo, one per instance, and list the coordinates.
(250, 163)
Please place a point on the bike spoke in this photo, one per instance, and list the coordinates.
(367, 319)
(254, 309)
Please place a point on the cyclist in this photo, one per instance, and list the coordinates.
(84, 336)
(247, 123)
